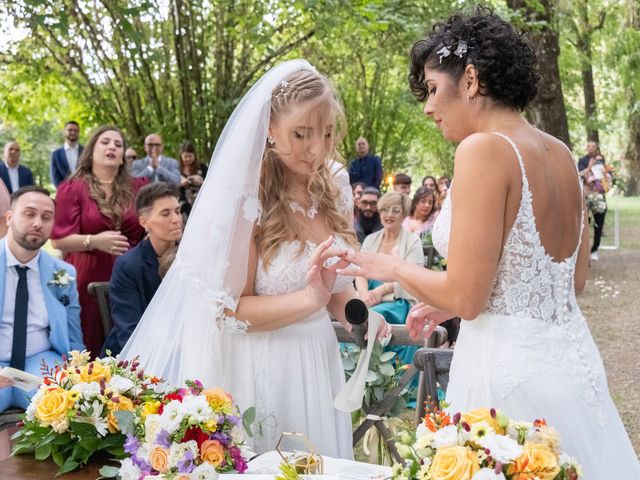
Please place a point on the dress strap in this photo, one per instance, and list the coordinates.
(518, 155)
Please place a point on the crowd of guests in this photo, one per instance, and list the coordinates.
(118, 218)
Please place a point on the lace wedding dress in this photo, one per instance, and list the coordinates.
(292, 374)
(530, 352)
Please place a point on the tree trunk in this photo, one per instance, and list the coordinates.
(632, 157)
(548, 111)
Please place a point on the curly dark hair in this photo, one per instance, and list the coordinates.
(505, 61)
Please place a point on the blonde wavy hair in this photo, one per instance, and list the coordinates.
(317, 98)
(122, 187)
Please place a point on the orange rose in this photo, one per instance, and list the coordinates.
(123, 403)
(212, 451)
(219, 400)
(159, 458)
(537, 460)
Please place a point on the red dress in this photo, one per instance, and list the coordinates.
(77, 213)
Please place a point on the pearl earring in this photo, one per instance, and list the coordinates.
(271, 141)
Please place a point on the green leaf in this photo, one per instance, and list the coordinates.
(371, 376)
(68, 466)
(248, 417)
(126, 422)
(387, 370)
(398, 407)
(90, 444)
(43, 451)
(348, 364)
(109, 472)
(57, 456)
(386, 356)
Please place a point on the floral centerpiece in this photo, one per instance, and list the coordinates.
(77, 412)
(483, 444)
(190, 433)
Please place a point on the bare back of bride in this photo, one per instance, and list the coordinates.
(513, 231)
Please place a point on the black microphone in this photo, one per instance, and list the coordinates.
(357, 313)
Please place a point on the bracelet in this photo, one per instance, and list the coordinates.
(87, 242)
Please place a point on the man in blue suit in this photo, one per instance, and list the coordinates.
(40, 312)
(155, 166)
(12, 173)
(135, 277)
(64, 160)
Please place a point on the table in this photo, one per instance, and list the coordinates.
(26, 467)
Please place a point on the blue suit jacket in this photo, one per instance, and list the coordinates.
(134, 281)
(25, 177)
(59, 168)
(64, 320)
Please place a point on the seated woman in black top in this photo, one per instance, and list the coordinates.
(135, 277)
(192, 174)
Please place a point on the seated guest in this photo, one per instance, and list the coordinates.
(368, 219)
(135, 277)
(402, 183)
(40, 311)
(422, 214)
(390, 299)
(155, 166)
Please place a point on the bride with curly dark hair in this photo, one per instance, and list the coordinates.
(517, 253)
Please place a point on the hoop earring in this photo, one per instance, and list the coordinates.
(471, 100)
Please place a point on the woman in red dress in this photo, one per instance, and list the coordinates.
(96, 221)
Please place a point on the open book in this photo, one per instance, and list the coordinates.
(22, 380)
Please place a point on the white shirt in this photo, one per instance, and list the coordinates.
(37, 316)
(72, 156)
(13, 177)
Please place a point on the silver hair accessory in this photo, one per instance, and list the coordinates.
(283, 85)
(460, 50)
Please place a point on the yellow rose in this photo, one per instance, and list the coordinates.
(454, 463)
(159, 459)
(53, 406)
(123, 403)
(211, 425)
(94, 372)
(212, 451)
(482, 414)
(219, 400)
(537, 460)
(150, 408)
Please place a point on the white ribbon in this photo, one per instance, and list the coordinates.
(349, 399)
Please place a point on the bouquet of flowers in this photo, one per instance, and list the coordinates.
(596, 202)
(190, 433)
(483, 444)
(79, 409)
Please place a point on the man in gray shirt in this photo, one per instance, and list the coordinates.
(155, 166)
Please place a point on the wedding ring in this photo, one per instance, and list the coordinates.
(112, 247)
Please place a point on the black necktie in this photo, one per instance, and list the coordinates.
(19, 346)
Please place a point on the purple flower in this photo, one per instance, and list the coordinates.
(232, 419)
(186, 464)
(141, 463)
(131, 445)
(221, 437)
(235, 453)
(240, 465)
(163, 439)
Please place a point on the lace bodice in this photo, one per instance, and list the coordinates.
(528, 282)
(288, 270)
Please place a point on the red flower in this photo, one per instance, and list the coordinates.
(167, 398)
(194, 433)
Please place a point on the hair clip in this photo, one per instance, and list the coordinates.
(444, 52)
(462, 49)
(283, 85)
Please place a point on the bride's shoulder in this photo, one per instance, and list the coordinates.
(481, 151)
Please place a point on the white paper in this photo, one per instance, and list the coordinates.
(349, 399)
(22, 380)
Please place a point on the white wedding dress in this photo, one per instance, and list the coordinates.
(530, 352)
(291, 375)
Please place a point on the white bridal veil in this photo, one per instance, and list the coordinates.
(178, 337)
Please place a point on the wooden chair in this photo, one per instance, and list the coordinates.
(434, 365)
(100, 290)
(400, 336)
(429, 256)
(10, 417)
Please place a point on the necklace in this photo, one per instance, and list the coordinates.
(311, 213)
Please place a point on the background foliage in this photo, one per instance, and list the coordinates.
(179, 67)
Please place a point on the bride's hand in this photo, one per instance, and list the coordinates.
(422, 315)
(321, 279)
(375, 266)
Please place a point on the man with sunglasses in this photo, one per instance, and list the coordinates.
(368, 219)
(155, 166)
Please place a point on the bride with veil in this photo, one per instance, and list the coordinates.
(245, 304)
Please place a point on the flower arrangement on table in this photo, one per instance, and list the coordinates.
(190, 433)
(82, 407)
(483, 444)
